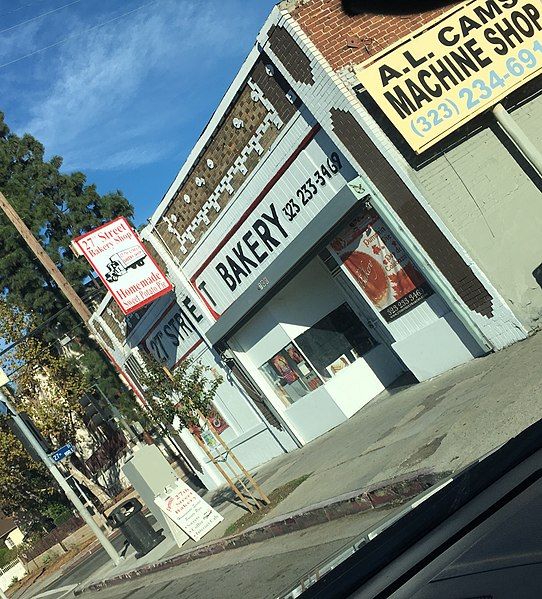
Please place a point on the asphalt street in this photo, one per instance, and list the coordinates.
(266, 569)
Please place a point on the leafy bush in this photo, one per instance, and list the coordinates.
(58, 513)
(7, 556)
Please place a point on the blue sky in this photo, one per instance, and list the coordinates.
(122, 97)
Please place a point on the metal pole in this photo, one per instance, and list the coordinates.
(80, 489)
(517, 135)
(70, 493)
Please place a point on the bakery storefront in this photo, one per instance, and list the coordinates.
(314, 297)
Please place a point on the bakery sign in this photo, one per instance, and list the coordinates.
(129, 272)
(174, 335)
(307, 182)
(455, 67)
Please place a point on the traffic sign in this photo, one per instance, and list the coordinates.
(63, 452)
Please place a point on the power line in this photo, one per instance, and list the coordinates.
(10, 12)
(69, 37)
(44, 14)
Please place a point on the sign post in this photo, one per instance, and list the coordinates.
(51, 466)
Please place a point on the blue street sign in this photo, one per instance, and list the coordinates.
(63, 452)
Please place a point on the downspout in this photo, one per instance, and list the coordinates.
(433, 274)
(518, 136)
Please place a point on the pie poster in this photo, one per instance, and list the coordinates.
(380, 266)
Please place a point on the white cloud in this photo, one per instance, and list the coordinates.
(107, 105)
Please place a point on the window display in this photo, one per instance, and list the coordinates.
(290, 374)
(335, 342)
(380, 266)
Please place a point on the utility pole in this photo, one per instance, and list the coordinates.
(51, 466)
(85, 314)
(44, 258)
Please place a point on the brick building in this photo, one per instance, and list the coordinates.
(318, 249)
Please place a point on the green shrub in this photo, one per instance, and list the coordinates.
(7, 556)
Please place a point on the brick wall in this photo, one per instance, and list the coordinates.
(248, 129)
(345, 40)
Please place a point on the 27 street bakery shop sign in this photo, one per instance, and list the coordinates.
(271, 222)
(456, 67)
(130, 274)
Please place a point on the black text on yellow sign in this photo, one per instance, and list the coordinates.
(456, 67)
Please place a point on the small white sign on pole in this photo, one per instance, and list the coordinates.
(4, 379)
(188, 510)
(123, 264)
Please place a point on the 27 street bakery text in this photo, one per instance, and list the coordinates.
(460, 65)
(271, 226)
(122, 262)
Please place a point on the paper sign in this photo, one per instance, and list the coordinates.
(189, 511)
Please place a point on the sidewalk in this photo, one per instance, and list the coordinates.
(437, 426)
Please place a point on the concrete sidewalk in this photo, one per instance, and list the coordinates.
(439, 426)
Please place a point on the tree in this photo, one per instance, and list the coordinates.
(186, 395)
(49, 386)
(182, 395)
(57, 207)
(28, 491)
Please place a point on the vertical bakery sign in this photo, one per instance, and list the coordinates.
(379, 266)
(129, 272)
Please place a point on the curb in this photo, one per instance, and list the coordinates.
(386, 493)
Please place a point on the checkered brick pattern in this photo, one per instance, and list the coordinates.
(234, 152)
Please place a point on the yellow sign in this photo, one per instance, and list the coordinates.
(456, 67)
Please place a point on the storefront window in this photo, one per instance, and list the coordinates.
(335, 341)
(290, 374)
(379, 266)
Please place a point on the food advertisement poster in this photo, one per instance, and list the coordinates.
(379, 266)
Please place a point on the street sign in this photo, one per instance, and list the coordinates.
(63, 452)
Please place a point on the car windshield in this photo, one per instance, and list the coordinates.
(270, 294)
